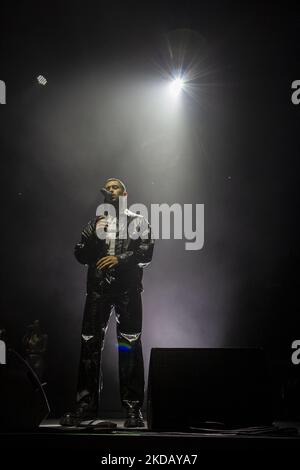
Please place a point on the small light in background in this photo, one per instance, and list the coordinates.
(42, 80)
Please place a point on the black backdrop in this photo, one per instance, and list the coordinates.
(237, 152)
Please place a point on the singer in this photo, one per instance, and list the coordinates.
(114, 281)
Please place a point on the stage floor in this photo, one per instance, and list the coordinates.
(141, 442)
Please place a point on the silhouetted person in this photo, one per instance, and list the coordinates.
(35, 345)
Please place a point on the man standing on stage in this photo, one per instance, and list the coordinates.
(114, 280)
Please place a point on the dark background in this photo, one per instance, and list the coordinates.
(232, 145)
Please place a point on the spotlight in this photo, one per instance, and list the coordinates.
(176, 86)
(42, 80)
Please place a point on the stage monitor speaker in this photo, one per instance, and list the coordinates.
(188, 387)
(23, 403)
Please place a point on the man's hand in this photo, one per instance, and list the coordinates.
(101, 226)
(107, 262)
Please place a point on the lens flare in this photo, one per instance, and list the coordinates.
(122, 346)
(176, 86)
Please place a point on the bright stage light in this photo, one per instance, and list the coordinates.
(176, 86)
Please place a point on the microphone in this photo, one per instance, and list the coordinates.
(107, 195)
(107, 198)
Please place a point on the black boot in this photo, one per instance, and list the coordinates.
(134, 417)
(74, 418)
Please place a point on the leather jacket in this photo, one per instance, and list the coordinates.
(133, 253)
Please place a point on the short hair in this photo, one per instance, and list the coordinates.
(119, 181)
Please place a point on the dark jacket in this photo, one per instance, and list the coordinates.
(133, 254)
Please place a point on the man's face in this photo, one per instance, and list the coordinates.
(115, 189)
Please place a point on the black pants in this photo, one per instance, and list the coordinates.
(128, 310)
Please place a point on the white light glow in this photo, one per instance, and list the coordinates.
(176, 86)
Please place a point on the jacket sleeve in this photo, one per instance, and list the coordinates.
(142, 253)
(87, 250)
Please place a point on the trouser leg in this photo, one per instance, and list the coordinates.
(131, 365)
(96, 315)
